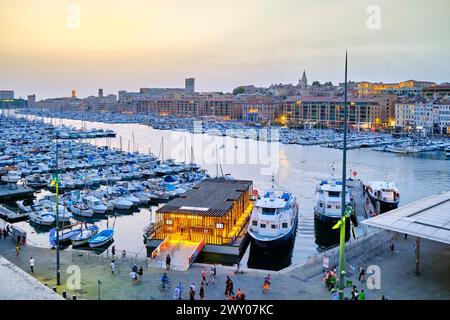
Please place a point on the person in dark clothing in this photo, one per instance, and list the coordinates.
(202, 292)
(113, 250)
(192, 294)
(230, 284)
(362, 273)
(168, 262)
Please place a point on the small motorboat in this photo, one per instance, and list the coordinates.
(81, 209)
(64, 236)
(122, 203)
(84, 236)
(41, 218)
(101, 238)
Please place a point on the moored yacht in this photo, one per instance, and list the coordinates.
(384, 195)
(274, 219)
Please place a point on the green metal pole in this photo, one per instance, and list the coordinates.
(58, 272)
(343, 204)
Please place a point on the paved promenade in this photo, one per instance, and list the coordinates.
(398, 278)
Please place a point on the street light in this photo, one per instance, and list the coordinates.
(344, 210)
(55, 183)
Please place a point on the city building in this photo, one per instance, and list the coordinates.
(31, 99)
(441, 90)
(329, 112)
(189, 85)
(6, 95)
(404, 88)
(262, 109)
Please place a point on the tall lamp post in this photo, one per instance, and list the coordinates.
(343, 194)
(56, 183)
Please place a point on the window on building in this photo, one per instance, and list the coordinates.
(284, 225)
(254, 223)
(262, 225)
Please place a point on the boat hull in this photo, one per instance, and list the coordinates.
(276, 242)
(326, 219)
(385, 206)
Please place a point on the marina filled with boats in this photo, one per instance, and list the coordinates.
(378, 141)
(93, 182)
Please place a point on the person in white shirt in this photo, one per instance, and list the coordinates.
(113, 266)
(32, 264)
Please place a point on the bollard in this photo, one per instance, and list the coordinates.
(54, 289)
(74, 298)
(64, 294)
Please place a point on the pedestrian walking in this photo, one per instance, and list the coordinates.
(192, 293)
(354, 293)
(17, 249)
(134, 268)
(32, 264)
(124, 254)
(239, 293)
(176, 293)
(5, 233)
(133, 277)
(362, 295)
(211, 278)
(113, 251)
(392, 247)
(168, 259)
(1, 233)
(113, 266)
(140, 273)
(180, 296)
(204, 276)
(362, 273)
(202, 292)
(231, 287)
(227, 287)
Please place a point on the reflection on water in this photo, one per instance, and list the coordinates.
(275, 260)
(298, 170)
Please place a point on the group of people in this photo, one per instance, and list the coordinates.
(4, 232)
(330, 279)
(229, 291)
(136, 274)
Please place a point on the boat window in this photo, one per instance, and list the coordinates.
(321, 204)
(254, 223)
(284, 225)
(329, 206)
(268, 211)
(262, 225)
(333, 194)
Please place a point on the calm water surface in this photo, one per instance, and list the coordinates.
(296, 168)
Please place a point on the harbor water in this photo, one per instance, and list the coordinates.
(296, 168)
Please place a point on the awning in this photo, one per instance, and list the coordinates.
(428, 218)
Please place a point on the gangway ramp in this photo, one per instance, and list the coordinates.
(182, 253)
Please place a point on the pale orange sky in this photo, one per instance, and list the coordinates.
(128, 44)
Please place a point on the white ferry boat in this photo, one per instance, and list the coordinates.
(274, 219)
(329, 200)
(383, 194)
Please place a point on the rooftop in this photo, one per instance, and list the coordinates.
(428, 218)
(211, 197)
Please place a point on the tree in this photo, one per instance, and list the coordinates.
(316, 83)
(238, 90)
(329, 83)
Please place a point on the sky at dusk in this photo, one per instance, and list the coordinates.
(125, 45)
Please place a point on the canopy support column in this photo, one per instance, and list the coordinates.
(417, 255)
